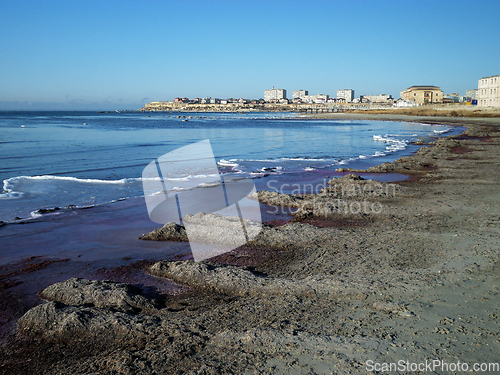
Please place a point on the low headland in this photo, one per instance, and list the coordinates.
(338, 289)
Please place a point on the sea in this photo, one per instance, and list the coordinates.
(72, 181)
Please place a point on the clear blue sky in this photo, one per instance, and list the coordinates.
(120, 54)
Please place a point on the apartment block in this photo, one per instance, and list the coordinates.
(346, 95)
(488, 91)
(299, 94)
(274, 94)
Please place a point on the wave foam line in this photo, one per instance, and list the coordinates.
(7, 184)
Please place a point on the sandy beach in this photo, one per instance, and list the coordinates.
(365, 274)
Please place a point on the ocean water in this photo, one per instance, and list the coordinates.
(57, 162)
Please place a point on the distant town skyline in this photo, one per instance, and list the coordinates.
(122, 54)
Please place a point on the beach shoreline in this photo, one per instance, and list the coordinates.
(416, 281)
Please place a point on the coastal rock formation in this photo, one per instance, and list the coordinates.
(280, 237)
(346, 196)
(55, 319)
(350, 186)
(236, 281)
(206, 228)
(103, 294)
(275, 198)
(224, 279)
(169, 232)
(79, 306)
(353, 186)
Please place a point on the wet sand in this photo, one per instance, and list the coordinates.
(416, 281)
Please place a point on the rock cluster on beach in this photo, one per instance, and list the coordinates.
(346, 196)
(78, 306)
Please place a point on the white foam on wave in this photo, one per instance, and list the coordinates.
(442, 131)
(9, 183)
(277, 160)
(227, 163)
(9, 194)
(394, 143)
(379, 138)
(35, 214)
(275, 170)
(209, 184)
(175, 188)
(188, 177)
(235, 167)
(401, 135)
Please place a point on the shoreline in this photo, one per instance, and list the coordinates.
(421, 242)
(436, 109)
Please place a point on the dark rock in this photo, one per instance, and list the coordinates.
(351, 177)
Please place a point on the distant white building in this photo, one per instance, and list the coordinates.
(382, 98)
(274, 94)
(299, 94)
(345, 94)
(471, 94)
(488, 91)
(319, 98)
(405, 103)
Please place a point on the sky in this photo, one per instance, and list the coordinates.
(96, 55)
